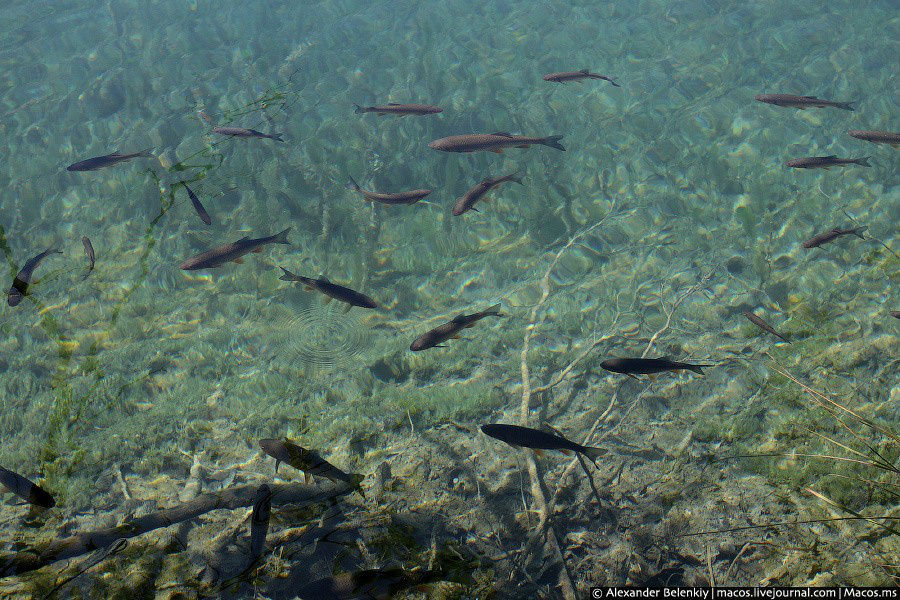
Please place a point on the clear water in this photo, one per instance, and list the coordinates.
(669, 213)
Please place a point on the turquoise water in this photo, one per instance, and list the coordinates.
(669, 213)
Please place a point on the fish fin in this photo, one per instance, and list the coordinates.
(863, 162)
(503, 133)
(858, 232)
(359, 109)
(475, 209)
(497, 150)
(633, 376)
(524, 146)
(144, 152)
(327, 298)
(698, 369)
(276, 136)
(454, 337)
(585, 71)
(281, 237)
(539, 452)
(238, 260)
(566, 451)
(494, 310)
(469, 326)
(353, 185)
(288, 276)
(277, 462)
(439, 346)
(258, 249)
(347, 308)
(593, 453)
(553, 142)
(612, 82)
(651, 376)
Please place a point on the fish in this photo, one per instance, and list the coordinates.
(565, 76)
(492, 142)
(392, 108)
(331, 290)
(98, 162)
(833, 234)
(467, 202)
(308, 461)
(370, 584)
(895, 314)
(537, 440)
(877, 137)
(201, 212)
(826, 162)
(24, 488)
(20, 284)
(410, 197)
(246, 133)
(759, 322)
(801, 102)
(259, 520)
(451, 329)
(648, 366)
(89, 250)
(232, 252)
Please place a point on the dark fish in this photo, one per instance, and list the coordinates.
(410, 197)
(467, 202)
(201, 212)
(801, 102)
(826, 162)
(24, 488)
(576, 76)
(492, 142)
(89, 250)
(259, 520)
(308, 461)
(451, 329)
(20, 283)
(371, 584)
(877, 137)
(98, 162)
(538, 440)
(648, 366)
(393, 108)
(759, 322)
(833, 234)
(895, 314)
(247, 133)
(232, 252)
(331, 290)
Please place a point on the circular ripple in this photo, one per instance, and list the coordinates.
(324, 336)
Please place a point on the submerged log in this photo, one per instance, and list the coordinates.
(231, 498)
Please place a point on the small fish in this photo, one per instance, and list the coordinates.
(371, 584)
(201, 212)
(331, 290)
(232, 252)
(259, 520)
(877, 137)
(576, 76)
(826, 162)
(467, 202)
(538, 440)
(451, 329)
(20, 283)
(393, 108)
(410, 197)
(89, 250)
(648, 366)
(801, 102)
(247, 133)
(759, 322)
(895, 314)
(833, 234)
(492, 142)
(98, 162)
(24, 488)
(308, 461)
(202, 114)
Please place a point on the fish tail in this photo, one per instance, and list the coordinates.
(863, 162)
(281, 237)
(288, 276)
(553, 142)
(858, 232)
(359, 109)
(353, 185)
(844, 105)
(276, 136)
(612, 82)
(592, 453)
(698, 369)
(144, 152)
(517, 177)
(494, 310)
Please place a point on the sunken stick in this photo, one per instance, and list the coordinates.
(231, 498)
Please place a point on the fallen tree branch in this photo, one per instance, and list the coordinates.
(235, 497)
